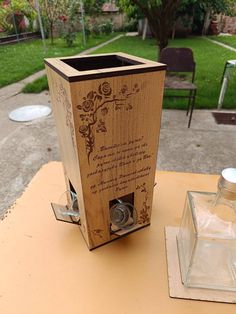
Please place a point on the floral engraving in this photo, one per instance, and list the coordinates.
(144, 217)
(95, 107)
(63, 99)
(105, 89)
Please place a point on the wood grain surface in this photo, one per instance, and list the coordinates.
(108, 131)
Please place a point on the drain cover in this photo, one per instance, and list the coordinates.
(225, 117)
(29, 113)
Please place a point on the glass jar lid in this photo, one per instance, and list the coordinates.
(227, 183)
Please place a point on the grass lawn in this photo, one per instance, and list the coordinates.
(210, 60)
(22, 59)
(37, 86)
(228, 40)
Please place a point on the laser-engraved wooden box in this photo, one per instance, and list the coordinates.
(108, 111)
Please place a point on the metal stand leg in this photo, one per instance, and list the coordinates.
(192, 107)
(229, 66)
(189, 101)
(222, 92)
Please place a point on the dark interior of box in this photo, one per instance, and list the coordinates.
(99, 62)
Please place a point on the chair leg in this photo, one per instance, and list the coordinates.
(189, 101)
(192, 107)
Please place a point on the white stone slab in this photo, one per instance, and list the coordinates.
(29, 113)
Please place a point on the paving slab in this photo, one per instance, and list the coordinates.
(206, 147)
(24, 147)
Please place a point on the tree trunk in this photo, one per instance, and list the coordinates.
(145, 29)
(160, 18)
(51, 32)
(173, 31)
(163, 42)
(207, 20)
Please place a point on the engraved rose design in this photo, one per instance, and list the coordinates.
(105, 89)
(83, 129)
(104, 111)
(95, 104)
(144, 216)
(87, 105)
(124, 89)
(63, 99)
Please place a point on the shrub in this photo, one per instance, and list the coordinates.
(130, 26)
(95, 29)
(69, 38)
(107, 27)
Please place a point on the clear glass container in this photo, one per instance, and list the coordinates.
(207, 237)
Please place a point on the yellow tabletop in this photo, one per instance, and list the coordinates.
(46, 267)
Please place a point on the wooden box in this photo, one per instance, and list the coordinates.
(108, 111)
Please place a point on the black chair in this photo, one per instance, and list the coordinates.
(180, 60)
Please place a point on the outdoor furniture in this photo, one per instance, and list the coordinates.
(180, 75)
(229, 66)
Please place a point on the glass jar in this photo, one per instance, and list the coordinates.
(123, 215)
(207, 237)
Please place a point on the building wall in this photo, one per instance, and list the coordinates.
(228, 24)
(117, 19)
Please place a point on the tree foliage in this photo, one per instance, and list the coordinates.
(216, 6)
(161, 14)
(68, 21)
(52, 10)
(93, 7)
(68, 13)
(203, 10)
(15, 7)
(131, 10)
(219, 6)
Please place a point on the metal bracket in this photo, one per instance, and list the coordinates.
(229, 65)
(63, 213)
